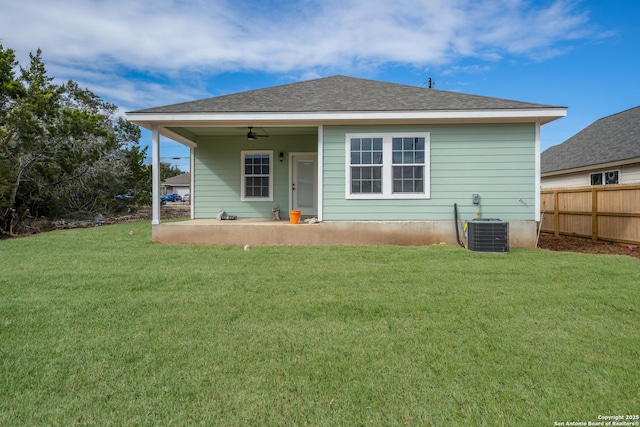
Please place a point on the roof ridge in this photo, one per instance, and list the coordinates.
(615, 114)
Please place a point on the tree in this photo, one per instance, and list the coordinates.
(62, 148)
(168, 171)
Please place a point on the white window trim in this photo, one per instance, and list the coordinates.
(243, 197)
(387, 167)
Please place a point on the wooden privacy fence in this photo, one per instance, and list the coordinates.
(603, 212)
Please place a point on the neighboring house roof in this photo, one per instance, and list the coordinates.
(182, 180)
(342, 94)
(613, 138)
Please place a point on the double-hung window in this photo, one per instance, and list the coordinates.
(257, 176)
(387, 166)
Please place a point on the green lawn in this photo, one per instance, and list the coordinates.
(98, 327)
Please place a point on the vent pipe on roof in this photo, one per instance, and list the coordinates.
(430, 83)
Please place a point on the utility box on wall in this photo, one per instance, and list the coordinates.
(488, 235)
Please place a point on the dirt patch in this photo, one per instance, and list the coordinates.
(584, 245)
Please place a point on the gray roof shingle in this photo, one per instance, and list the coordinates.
(609, 139)
(179, 180)
(342, 94)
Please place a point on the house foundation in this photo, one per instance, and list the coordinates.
(265, 232)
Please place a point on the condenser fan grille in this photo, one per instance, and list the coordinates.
(488, 235)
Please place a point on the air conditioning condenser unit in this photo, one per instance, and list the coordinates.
(488, 235)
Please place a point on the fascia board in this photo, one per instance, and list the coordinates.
(208, 119)
(590, 168)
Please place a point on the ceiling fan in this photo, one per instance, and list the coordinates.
(251, 135)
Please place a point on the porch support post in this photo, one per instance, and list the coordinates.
(191, 184)
(537, 172)
(320, 172)
(155, 176)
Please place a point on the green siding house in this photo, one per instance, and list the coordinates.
(371, 162)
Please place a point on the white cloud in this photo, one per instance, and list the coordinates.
(97, 41)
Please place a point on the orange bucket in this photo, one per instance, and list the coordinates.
(294, 217)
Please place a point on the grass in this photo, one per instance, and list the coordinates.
(98, 327)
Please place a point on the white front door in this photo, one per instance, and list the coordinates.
(304, 183)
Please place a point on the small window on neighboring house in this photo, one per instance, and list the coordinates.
(604, 178)
(257, 177)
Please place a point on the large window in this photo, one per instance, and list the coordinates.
(387, 166)
(257, 176)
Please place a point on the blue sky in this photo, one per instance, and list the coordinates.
(139, 54)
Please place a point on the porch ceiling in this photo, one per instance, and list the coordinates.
(229, 131)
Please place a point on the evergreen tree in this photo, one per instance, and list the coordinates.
(63, 150)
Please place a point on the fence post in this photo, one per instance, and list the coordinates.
(594, 214)
(556, 214)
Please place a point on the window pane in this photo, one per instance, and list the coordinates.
(366, 158)
(264, 186)
(596, 179)
(366, 180)
(377, 173)
(408, 151)
(377, 156)
(611, 177)
(355, 158)
(366, 151)
(408, 179)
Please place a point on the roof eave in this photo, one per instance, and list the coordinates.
(607, 165)
(542, 116)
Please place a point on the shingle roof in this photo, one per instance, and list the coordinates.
(609, 139)
(179, 180)
(342, 94)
